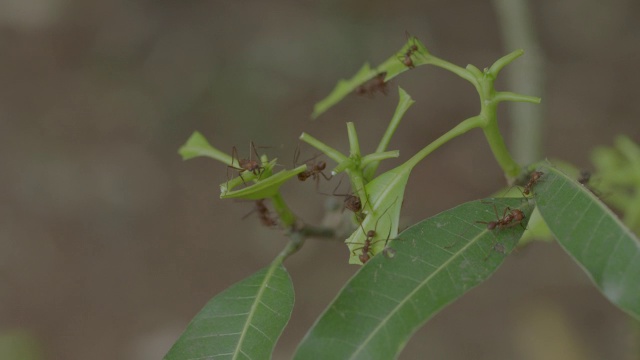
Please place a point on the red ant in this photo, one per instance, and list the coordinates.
(264, 214)
(366, 251)
(584, 178)
(405, 58)
(250, 165)
(314, 168)
(351, 202)
(377, 84)
(510, 217)
(534, 177)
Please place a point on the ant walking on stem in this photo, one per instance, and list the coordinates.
(314, 168)
(405, 58)
(533, 179)
(377, 84)
(351, 202)
(365, 250)
(263, 213)
(251, 165)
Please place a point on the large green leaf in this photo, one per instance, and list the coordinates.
(243, 322)
(593, 236)
(436, 261)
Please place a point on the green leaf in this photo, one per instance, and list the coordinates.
(243, 322)
(393, 66)
(197, 145)
(344, 88)
(262, 189)
(385, 195)
(593, 235)
(436, 262)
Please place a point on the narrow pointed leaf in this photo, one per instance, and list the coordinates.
(344, 88)
(197, 145)
(436, 261)
(393, 66)
(264, 188)
(593, 235)
(243, 322)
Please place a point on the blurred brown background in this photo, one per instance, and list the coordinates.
(109, 243)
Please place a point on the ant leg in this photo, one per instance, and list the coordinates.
(325, 176)
(255, 152)
(296, 155)
(234, 155)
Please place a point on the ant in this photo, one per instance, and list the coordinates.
(264, 214)
(510, 217)
(405, 58)
(584, 178)
(315, 168)
(250, 165)
(351, 202)
(534, 177)
(377, 84)
(366, 251)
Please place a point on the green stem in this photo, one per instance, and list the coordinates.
(461, 128)
(287, 217)
(296, 240)
(504, 61)
(463, 73)
(510, 96)
(378, 156)
(404, 104)
(332, 153)
(354, 144)
(527, 76)
(318, 232)
(500, 151)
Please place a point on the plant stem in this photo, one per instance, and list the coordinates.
(461, 128)
(526, 77)
(463, 73)
(378, 156)
(334, 154)
(296, 240)
(404, 104)
(354, 144)
(284, 213)
(298, 237)
(500, 151)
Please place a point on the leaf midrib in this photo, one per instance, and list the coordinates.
(412, 293)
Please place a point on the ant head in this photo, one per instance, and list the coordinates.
(321, 165)
(364, 257)
(492, 225)
(371, 234)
